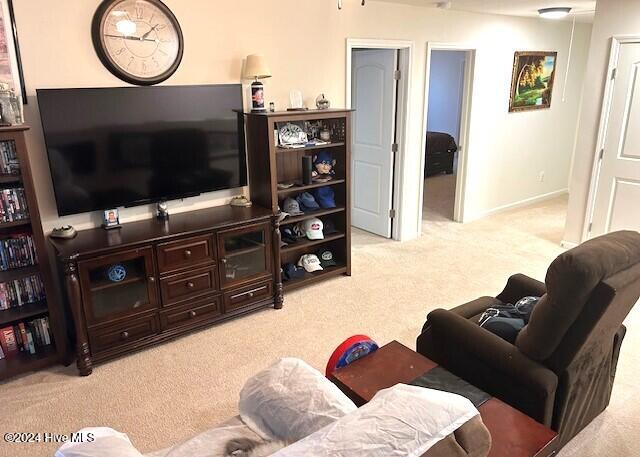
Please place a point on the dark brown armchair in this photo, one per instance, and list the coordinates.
(560, 370)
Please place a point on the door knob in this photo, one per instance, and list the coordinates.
(124, 335)
(223, 260)
(152, 279)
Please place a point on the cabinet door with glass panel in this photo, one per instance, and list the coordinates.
(118, 285)
(244, 254)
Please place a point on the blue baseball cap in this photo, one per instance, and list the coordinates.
(323, 157)
(307, 202)
(325, 197)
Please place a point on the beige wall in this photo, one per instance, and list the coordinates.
(613, 18)
(304, 42)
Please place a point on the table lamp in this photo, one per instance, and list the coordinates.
(256, 68)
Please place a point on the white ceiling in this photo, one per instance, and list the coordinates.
(512, 7)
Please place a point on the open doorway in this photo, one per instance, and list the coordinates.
(447, 106)
(377, 85)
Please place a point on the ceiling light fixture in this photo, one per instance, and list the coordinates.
(554, 13)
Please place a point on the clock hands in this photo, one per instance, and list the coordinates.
(134, 38)
(150, 30)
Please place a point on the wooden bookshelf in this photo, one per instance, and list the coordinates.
(312, 214)
(18, 363)
(270, 164)
(311, 148)
(308, 187)
(311, 278)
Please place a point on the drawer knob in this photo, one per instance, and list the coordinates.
(250, 295)
(193, 314)
(124, 335)
(187, 253)
(152, 279)
(190, 285)
(223, 260)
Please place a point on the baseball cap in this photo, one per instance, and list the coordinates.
(291, 271)
(326, 258)
(325, 197)
(288, 236)
(328, 227)
(323, 157)
(310, 262)
(298, 230)
(313, 229)
(292, 207)
(307, 202)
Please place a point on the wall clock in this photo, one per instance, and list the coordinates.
(139, 41)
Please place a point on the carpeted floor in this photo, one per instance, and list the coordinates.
(170, 392)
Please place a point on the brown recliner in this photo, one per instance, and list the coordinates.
(560, 370)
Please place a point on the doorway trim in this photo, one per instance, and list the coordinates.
(405, 93)
(607, 99)
(459, 213)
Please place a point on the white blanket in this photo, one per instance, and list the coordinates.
(403, 421)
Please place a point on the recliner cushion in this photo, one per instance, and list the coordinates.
(570, 281)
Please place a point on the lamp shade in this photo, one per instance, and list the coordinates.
(256, 67)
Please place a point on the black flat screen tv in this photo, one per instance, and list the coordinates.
(113, 147)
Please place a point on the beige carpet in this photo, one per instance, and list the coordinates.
(168, 393)
(439, 198)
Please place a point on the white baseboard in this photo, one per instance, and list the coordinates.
(521, 203)
(568, 244)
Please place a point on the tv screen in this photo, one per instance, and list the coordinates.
(129, 146)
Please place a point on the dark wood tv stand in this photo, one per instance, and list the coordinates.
(152, 280)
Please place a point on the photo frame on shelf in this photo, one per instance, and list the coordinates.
(532, 80)
(10, 62)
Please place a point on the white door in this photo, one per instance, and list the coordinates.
(373, 95)
(617, 197)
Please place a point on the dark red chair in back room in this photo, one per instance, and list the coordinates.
(561, 369)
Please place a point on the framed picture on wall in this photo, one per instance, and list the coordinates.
(532, 80)
(10, 65)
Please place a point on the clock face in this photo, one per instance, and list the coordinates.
(139, 41)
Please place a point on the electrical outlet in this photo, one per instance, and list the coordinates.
(541, 176)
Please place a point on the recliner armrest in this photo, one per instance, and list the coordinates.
(492, 364)
(463, 335)
(519, 286)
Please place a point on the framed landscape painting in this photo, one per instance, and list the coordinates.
(532, 80)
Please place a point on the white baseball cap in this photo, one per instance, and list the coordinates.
(313, 229)
(310, 263)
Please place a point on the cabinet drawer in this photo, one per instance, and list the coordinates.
(181, 254)
(124, 333)
(247, 296)
(181, 287)
(191, 314)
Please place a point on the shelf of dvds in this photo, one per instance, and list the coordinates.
(32, 334)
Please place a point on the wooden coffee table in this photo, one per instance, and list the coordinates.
(513, 433)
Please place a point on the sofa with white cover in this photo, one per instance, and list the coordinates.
(292, 401)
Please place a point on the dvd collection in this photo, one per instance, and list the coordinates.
(13, 205)
(17, 251)
(21, 291)
(28, 336)
(9, 158)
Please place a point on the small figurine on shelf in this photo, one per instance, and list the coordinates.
(323, 167)
(10, 106)
(162, 210)
(322, 102)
